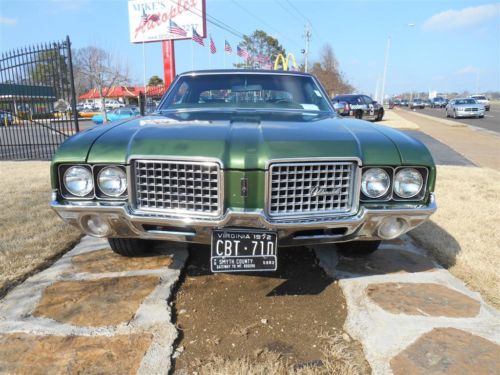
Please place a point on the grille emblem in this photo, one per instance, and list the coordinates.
(318, 191)
(244, 187)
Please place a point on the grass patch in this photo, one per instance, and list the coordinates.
(463, 234)
(32, 236)
(339, 358)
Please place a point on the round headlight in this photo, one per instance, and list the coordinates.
(375, 183)
(78, 181)
(408, 183)
(112, 181)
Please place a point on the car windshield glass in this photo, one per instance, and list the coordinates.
(465, 101)
(348, 99)
(266, 92)
(479, 97)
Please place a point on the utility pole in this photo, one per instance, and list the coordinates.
(307, 36)
(382, 90)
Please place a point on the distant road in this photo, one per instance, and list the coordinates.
(491, 120)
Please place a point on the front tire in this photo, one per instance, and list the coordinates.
(358, 248)
(358, 115)
(129, 247)
(380, 115)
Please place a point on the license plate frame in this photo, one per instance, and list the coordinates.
(243, 250)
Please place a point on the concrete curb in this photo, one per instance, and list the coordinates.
(440, 120)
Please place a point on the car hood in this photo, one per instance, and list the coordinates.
(247, 145)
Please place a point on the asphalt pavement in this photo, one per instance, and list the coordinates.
(491, 120)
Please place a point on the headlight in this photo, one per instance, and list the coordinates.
(78, 181)
(375, 183)
(408, 183)
(112, 181)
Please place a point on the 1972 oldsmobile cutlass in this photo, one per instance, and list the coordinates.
(245, 161)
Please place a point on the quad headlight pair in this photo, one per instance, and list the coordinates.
(376, 182)
(79, 181)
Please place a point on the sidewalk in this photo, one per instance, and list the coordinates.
(481, 148)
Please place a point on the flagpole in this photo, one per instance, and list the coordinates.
(209, 57)
(225, 53)
(192, 55)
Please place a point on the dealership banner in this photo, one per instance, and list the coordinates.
(157, 20)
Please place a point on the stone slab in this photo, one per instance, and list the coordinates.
(94, 303)
(22, 353)
(385, 334)
(148, 317)
(448, 351)
(423, 299)
(105, 260)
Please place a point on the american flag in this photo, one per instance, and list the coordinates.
(173, 28)
(241, 52)
(212, 45)
(227, 47)
(197, 38)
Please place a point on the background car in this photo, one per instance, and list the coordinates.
(417, 103)
(359, 106)
(404, 103)
(438, 102)
(6, 118)
(116, 114)
(481, 99)
(464, 107)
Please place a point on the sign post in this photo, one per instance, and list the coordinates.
(168, 61)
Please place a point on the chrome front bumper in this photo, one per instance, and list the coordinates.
(124, 222)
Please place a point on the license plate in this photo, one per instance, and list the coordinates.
(241, 250)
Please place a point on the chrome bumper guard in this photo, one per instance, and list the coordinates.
(124, 222)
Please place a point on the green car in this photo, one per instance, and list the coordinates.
(246, 161)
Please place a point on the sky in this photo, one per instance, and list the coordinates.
(434, 45)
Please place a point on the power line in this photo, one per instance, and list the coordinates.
(305, 18)
(218, 23)
(289, 12)
(265, 23)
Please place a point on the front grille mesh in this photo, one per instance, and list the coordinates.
(311, 188)
(178, 186)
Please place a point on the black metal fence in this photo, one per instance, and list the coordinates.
(37, 101)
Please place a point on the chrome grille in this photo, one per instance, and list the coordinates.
(184, 187)
(311, 188)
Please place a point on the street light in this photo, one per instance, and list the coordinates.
(384, 76)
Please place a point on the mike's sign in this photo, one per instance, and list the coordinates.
(156, 20)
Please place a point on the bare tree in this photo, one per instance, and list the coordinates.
(328, 72)
(97, 68)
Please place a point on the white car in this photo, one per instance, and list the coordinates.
(481, 99)
(464, 107)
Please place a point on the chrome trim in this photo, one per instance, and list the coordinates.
(355, 186)
(188, 160)
(124, 222)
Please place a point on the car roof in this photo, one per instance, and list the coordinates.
(244, 71)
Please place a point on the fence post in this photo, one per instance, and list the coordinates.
(142, 103)
(72, 79)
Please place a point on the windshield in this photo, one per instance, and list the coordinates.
(465, 101)
(266, 92)
(479, 97)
